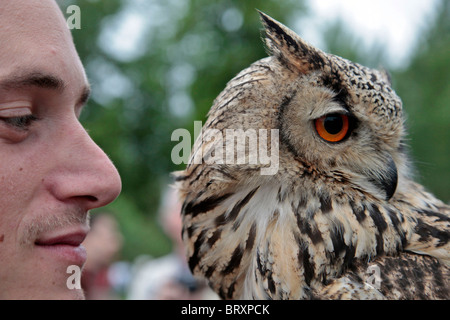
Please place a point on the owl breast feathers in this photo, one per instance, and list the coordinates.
(338, 215)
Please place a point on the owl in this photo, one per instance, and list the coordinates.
(299, 186)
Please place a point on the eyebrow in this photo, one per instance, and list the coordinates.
(41, 80)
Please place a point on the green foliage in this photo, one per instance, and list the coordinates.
(425, 90)
(184, 55)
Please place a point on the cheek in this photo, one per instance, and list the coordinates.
(16, 179)
(19, 181)
(14, 202)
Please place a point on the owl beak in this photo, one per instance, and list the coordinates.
(385, 178)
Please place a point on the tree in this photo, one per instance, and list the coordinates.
(424, 87)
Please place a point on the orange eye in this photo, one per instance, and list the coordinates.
(333, 127)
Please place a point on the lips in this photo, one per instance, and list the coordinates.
(63, 246)
(74, 239)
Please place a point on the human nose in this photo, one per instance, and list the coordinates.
(84, 172)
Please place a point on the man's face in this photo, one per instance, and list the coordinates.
(51, 172)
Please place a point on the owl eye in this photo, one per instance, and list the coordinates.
(333, 127)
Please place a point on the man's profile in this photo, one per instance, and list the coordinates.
(51, 172)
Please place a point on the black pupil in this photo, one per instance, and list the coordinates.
(333, 123)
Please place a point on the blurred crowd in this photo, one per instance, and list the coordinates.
(105, 277)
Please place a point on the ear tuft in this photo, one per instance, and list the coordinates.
(385, 75)
(289, 48)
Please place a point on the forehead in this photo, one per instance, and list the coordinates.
(359, 85)
(32, 21)
(38, 38)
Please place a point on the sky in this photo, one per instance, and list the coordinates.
(394, 23)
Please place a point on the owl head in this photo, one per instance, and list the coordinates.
(336, 119)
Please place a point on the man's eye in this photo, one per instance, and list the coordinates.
(22, 122)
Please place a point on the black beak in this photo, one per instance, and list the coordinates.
(385, 178)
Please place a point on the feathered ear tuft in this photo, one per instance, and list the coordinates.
(289, 48)
(386, 76)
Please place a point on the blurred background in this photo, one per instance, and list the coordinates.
(157, 65)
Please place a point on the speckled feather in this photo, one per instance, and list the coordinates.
(316, 228)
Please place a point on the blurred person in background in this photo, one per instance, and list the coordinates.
(168, 277)
(103, 245)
